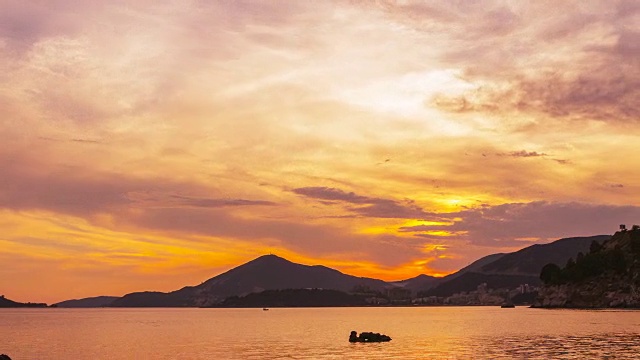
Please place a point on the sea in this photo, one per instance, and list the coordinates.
(318, 333)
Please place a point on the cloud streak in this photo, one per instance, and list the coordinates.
(541, 220)
(367, 206)
(524, 154)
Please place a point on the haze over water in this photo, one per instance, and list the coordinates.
(318, 333)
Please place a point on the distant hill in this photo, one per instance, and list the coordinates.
(295, 298)
(512, 269)
(418, 283)
(469, 282)
(421, 283)
(6, 303)
(530, 260)
(179, 298)
(606, 275)
(98, 301)
(475, 266)
(268, 272)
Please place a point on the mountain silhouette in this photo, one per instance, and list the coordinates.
(268, 272)
(530, 260)
(271, 272)
(97, 301)
(420, 282)
(6, 303)
(512, 269)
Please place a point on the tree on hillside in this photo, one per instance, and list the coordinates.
(595, 247)
(635, 242)
(570, 264)
(551, 274)
(617, 261)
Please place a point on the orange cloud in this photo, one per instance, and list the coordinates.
(183, 139)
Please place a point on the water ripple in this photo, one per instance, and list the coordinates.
(246, 334)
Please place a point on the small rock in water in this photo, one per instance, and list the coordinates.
(368, 337)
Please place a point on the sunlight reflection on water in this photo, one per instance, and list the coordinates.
(247, 334)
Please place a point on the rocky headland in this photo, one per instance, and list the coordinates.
(608, 276)
(6, 303)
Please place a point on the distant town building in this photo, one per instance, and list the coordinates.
(482, 288)
(623, 227)
(399, 294)
(524, 289)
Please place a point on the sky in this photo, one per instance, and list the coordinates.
(150, 145)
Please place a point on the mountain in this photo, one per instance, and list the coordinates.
(475, 266)
(530, 260)
(98, 301)
(420, 282)
(512, 269)
(179, 298)
(6, 303)
(607, 275)
(268, 272)
(271, 272)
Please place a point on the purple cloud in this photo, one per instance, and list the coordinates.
(366, 206)
(515, 55)
(28, 184)
(502, 225)
(332, 194)
(217, 203)
(152, 204)
(523, 153)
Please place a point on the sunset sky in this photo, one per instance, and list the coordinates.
(149, 145)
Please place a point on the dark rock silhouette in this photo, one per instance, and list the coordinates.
(4, 357)
(353, 337)
(368, 337)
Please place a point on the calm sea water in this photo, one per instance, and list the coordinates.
(318, 333)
